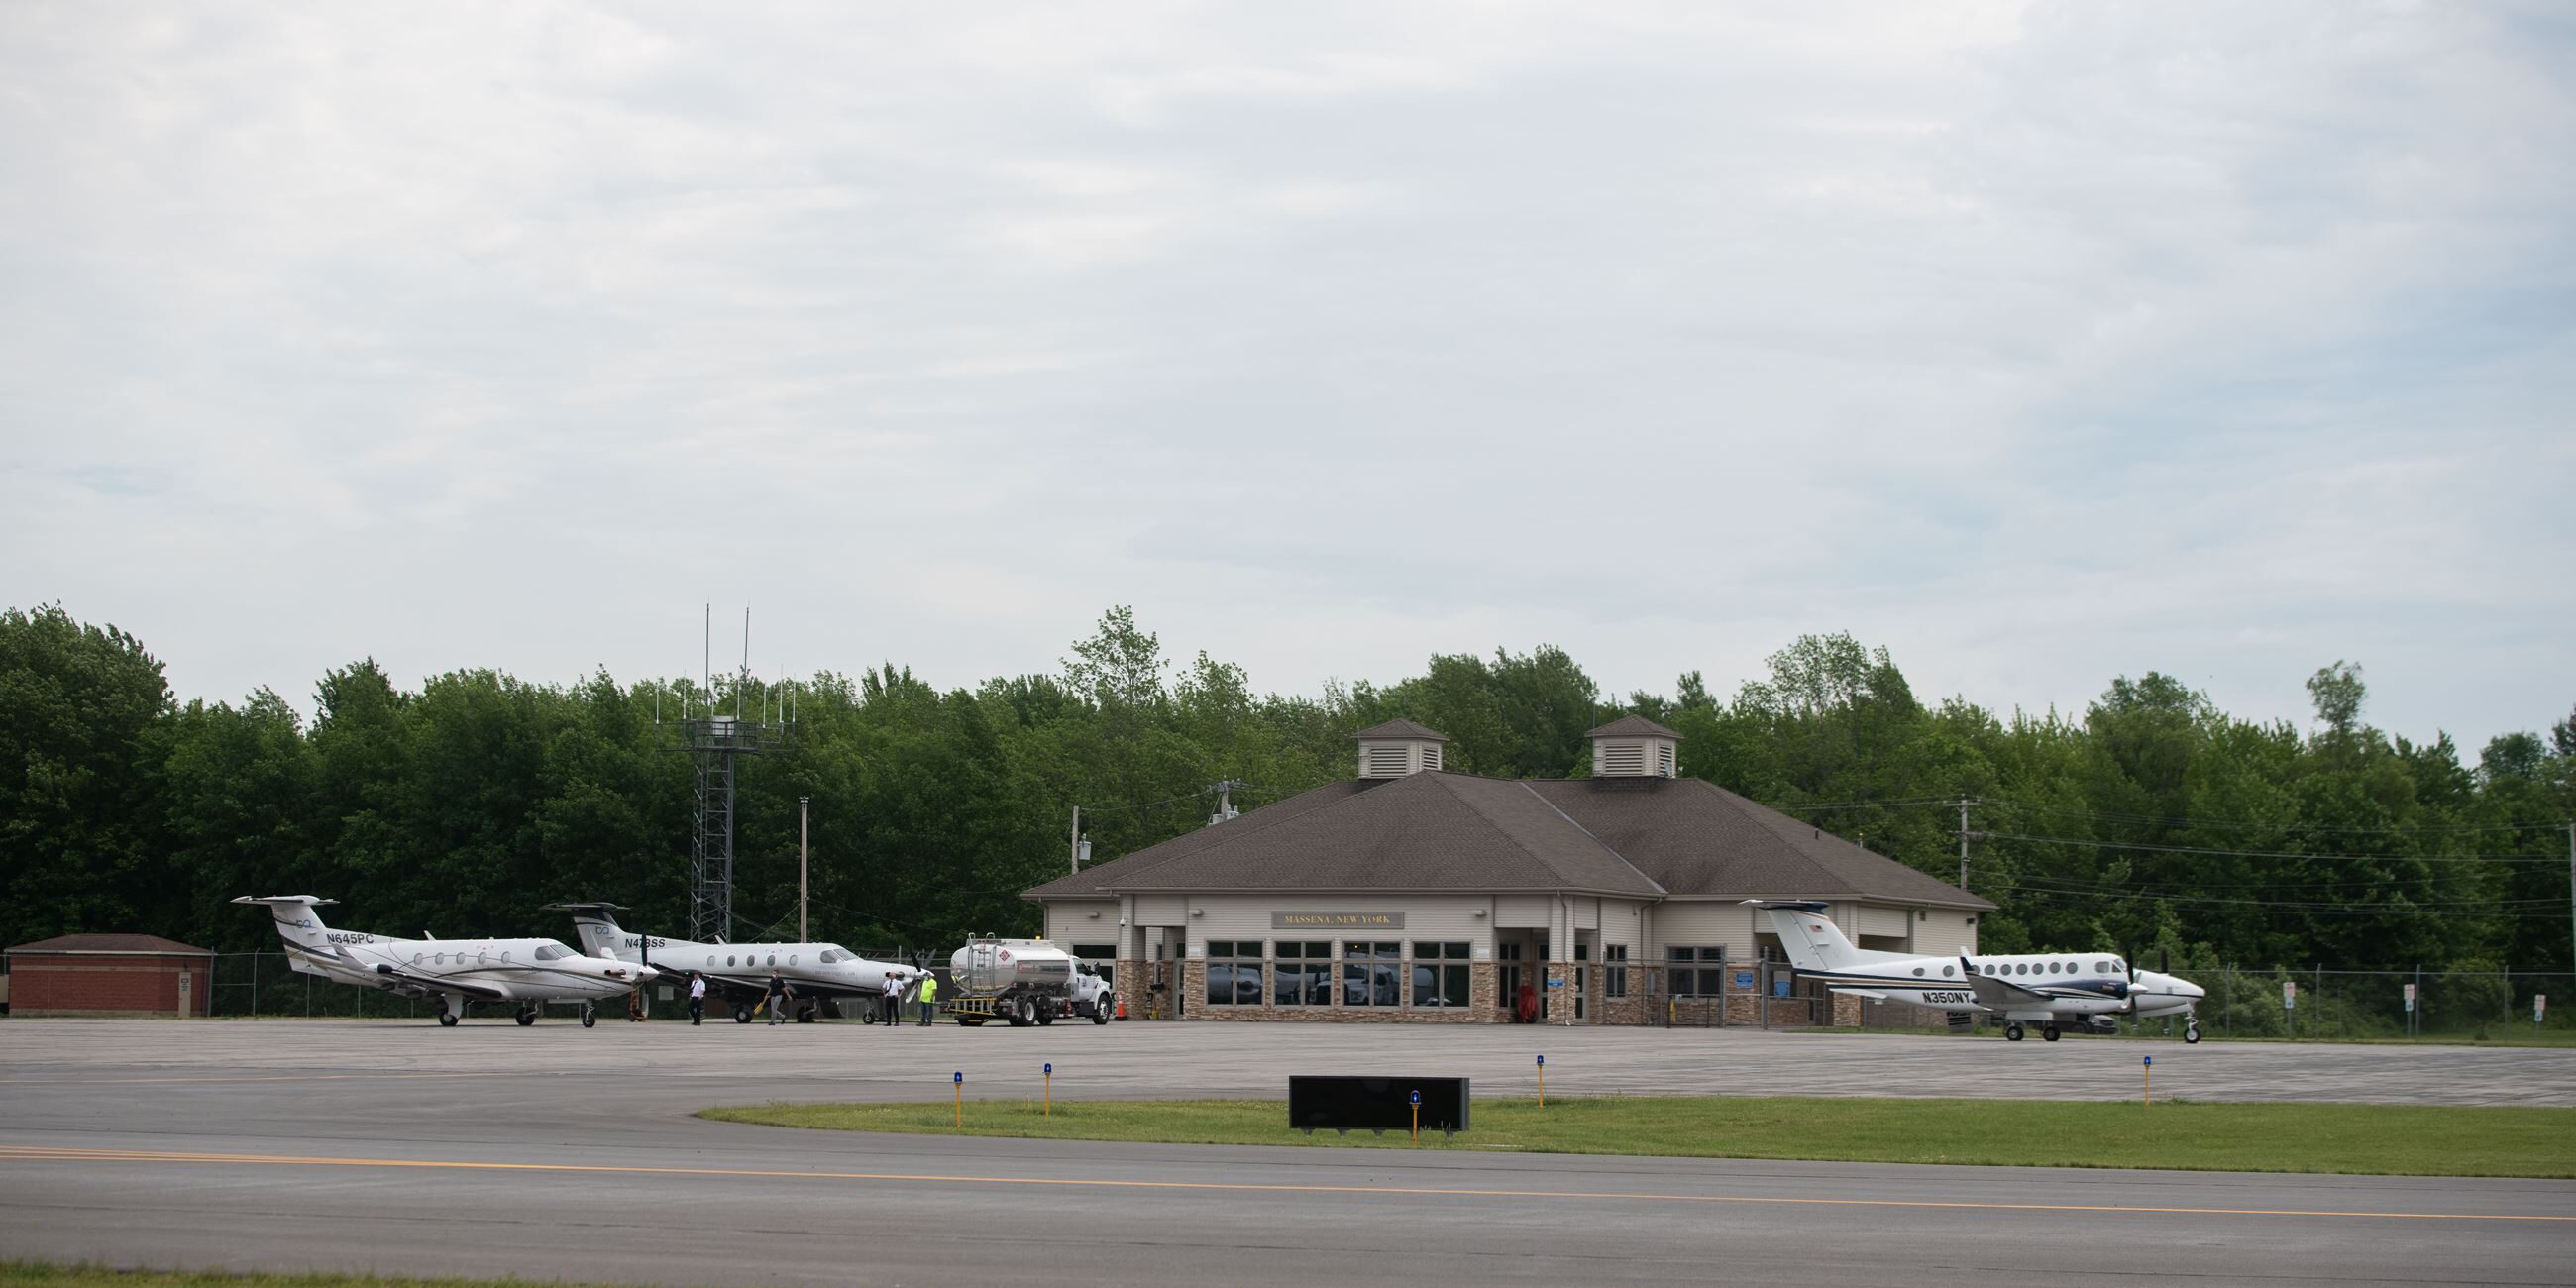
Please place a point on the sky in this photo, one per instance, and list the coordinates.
(2038, 343)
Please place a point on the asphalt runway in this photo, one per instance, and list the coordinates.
(556, 1152)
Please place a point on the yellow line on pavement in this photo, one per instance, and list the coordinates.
(73, 1153)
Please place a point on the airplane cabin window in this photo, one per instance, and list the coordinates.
(1948, 971)
(442, 959)
(728, 961)
(773, 959)
(711, 961)
(2103, 968)
(791, 959)
(2022, 969)
(1918, 970)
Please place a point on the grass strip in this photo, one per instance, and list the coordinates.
(39, 1274)
(2383, 1140)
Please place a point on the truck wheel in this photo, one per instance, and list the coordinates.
(1046, 1013)
(1100, 1010)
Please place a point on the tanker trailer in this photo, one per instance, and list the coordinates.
(1022, 982)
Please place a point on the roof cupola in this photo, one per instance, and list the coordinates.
(1397, 748)
(1635, 747)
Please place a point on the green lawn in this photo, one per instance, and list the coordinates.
(2396, 1140)
(32, 1274)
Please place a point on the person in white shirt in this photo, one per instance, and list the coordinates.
(890, 1007)
(697, 998)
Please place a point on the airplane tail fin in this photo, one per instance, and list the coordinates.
(297, 921)
(596, 925)
(1812, 940)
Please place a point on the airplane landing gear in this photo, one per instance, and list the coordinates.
(447, 1019)
(2012, 1031)
(527, 1016)
(2191, 1033)
(2048, 1033)
(589, 1015)
(742, 1015)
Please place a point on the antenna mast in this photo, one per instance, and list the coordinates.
(713, 744)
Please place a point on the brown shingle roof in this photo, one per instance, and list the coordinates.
(1401, 728)
(110, 944)
(1438, 831)
(1632, 727)
(1428, 831)
(1696, 838)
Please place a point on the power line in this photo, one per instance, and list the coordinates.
(2275, 854)
(2312, 908)
(2245, 825)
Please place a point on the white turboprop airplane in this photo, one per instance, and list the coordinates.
(2048, 989)
(456, 972)
(739, 973)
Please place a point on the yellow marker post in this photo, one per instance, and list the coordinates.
(958, 1079)
(1050, 1089)
(1542, 1082)
(2145, 1090)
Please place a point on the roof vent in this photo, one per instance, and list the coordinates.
(1635, 747)
(1398, 748)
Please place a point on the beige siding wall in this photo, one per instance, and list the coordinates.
(1873, 919)
(1161, 909)
(1946, 932)
(1239, 917)
(1704, 923)
(1069, 921)
(1522, 911)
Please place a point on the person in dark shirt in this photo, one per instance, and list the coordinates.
(780, 997)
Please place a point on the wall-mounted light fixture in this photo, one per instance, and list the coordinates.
(1480, 914)
(1095, 916)
(1198, 912)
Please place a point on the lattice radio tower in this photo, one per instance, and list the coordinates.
(713, 742)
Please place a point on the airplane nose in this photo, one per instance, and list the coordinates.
(646, 974)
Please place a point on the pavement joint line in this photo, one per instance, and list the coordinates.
(75, 1154)
(282, 1077)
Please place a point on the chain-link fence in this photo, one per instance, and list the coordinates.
(2343, 1005)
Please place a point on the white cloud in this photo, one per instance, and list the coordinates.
(2041, 343)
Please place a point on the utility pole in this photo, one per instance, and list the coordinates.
(1073, 839)
(801, 935)
(1224, 789)
(1962, 803)
(2571, 895)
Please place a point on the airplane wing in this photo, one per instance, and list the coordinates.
(1875, 995)
(441, 984)
(1997, 993)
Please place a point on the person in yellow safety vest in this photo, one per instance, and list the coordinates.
(929, 997)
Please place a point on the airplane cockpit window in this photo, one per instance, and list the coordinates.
(549, 952)
(833, 957)
(2117, 968)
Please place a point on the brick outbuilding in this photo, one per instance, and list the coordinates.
(110, 975)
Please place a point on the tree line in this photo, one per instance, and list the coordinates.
(458, 807)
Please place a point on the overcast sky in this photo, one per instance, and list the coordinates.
(2038, 343)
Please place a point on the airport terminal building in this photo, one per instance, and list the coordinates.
(1413, 894)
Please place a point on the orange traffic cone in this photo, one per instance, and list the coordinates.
(1122, 1005)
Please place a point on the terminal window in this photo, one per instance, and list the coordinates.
(1371, 974)
(1303, 974)
(1440, 974)
(1696, 972)
(1234, 972)
(1614, 970)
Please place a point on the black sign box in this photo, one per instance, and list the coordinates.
(1337, 1103)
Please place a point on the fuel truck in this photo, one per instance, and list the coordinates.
(1023, 982)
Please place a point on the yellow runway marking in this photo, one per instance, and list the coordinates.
(81, 1154)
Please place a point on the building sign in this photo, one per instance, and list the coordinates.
(1337, 921)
